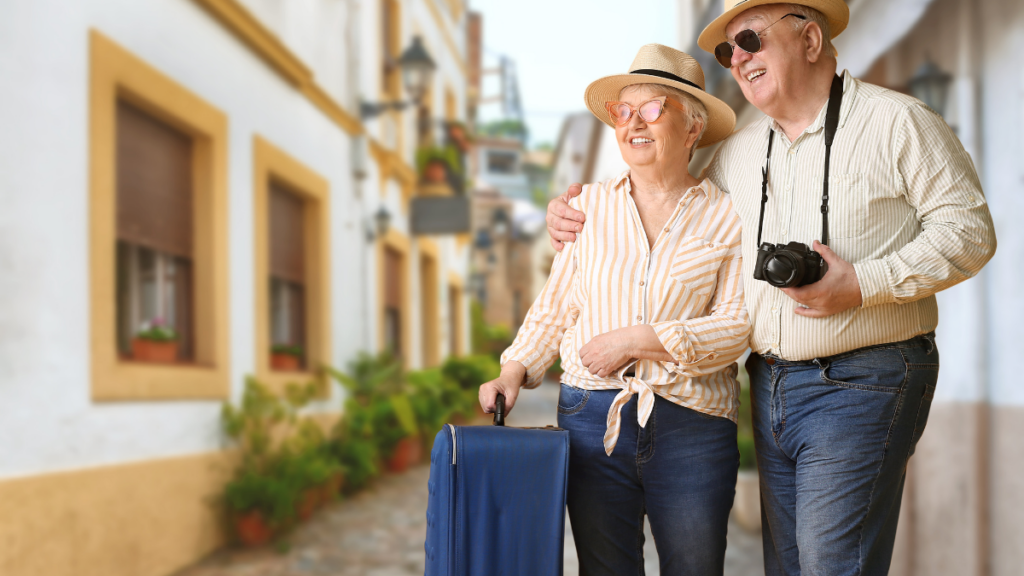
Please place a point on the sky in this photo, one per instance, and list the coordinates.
(561, 46)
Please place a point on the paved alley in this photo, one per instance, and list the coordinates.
(380, 531)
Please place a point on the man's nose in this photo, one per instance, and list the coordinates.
(739, 56)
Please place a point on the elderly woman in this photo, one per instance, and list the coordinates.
(646, 310)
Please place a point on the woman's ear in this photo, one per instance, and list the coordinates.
(696, 127)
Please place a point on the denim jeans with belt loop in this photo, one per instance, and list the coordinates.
(679, 470)
(833, 438)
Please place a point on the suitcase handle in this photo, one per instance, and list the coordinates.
(499, 410)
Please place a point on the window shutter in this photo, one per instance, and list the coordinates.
(154, 183)
(392, 279)
(287, 254)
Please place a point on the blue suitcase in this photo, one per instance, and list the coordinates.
(497, 501)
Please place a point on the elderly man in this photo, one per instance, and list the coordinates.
(868, 206)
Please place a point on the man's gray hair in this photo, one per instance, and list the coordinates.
(818, 18)
(695, 109)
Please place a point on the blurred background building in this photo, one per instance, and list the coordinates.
(196, 191)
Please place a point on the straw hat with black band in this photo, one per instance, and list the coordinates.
(836, 11)
(657, 64)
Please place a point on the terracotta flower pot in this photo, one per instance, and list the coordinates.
(253, 529)
(435, 172)
(407, 452)
(144, 350)
(285, 362)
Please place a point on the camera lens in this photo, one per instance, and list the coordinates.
(783, 270)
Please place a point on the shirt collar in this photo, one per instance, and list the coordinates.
(849, 94)
(706, 187)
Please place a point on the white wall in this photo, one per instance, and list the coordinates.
(47, 419)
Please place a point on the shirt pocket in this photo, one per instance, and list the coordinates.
(847, 206)
(696, 262)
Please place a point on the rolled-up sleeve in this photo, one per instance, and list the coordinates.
(957, 236)
(536, 344)
(706, 344)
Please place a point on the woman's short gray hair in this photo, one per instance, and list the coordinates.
(695, 109)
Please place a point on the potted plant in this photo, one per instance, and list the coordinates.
(155, 342)
(260, 504)
(286, 357)
(434, 163)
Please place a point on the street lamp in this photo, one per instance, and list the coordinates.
(417, 69)
(383, 220)
(500, 222)
(931, 86)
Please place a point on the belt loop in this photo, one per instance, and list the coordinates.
(822, 362)
(930, 339)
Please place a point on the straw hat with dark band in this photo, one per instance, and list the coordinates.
(657, 64)
(837, 12)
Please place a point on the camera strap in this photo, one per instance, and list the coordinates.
(835, 100)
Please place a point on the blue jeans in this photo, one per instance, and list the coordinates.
(833, 438)
(680, 470)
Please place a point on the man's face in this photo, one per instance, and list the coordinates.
(767, 76)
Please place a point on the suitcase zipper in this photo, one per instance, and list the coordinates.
(454, 445)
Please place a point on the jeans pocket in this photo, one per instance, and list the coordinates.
(572, 399)
(931, 376)
(875, 370)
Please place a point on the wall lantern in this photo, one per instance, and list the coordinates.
(383, 221)
(417, 69)
(500, 222)
(931, 86)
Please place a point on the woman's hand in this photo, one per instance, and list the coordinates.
(608, 352)
(508, 384)
(563, 221)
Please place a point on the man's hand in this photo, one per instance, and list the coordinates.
(563, 221)
(837, 291)
(608, 352)
(511, 380)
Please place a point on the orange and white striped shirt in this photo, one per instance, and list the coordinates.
(687, 286)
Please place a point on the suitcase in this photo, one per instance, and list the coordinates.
(497, 500)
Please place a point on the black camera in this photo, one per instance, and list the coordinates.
(788, 265)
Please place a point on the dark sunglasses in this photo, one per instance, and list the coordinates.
(746, 40)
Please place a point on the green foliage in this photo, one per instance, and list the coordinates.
(487, 338)
(556, 368)
(450, 155)
(471, 371)
(289, 349)
(506, 129)
(157, 332)
(251, 490)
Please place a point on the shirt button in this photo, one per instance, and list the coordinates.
(668, 229)
(971, 198)
(641, 282)
(792, 152)
(639, 318)
(783, 232)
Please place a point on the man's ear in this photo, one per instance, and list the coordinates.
(814, 42)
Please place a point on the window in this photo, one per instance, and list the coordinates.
(287, 280)
(393, 308)
(154, 236)
(393, 279)
(292, 268)
(158, 242)
(501, 162)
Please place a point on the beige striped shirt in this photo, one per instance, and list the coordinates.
(905, 207)
(687, 286)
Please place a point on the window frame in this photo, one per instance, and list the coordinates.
(117, 74)
(272, 163)
(401, 244)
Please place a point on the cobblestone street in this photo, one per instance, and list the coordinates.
(380, 531)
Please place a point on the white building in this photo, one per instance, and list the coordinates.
(248, 110)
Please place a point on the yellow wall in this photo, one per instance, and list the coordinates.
(430, 322)
(143, 519)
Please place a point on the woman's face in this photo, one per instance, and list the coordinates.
(664, 145)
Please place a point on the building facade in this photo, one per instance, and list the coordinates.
(199, 166)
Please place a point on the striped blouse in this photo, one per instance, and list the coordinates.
(687, 286)
(905, 208)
